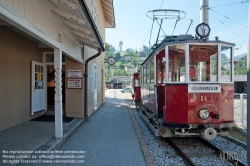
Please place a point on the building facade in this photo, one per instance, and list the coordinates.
(51, 58)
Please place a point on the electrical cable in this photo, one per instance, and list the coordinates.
(161, 4)
(227, 17)
(228, 27)
(231, 30)
(230, 4)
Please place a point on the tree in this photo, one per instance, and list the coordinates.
(146, 50)
(118, 72)
(107, 47)
(241, 66)
(117, 56)
(112, 49)
(120, 65)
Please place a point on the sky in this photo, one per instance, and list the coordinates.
(228, 19)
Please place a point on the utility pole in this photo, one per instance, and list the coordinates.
(204, 11)
(248, 89)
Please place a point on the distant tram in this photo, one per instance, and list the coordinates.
(136, 93)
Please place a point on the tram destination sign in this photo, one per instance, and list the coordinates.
(204, 88)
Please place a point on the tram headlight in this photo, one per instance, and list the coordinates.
(203, 113)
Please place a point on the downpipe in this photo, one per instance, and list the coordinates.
(86, 84)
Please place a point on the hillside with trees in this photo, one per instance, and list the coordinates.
(241, 66)
(133, 58)
(124, 59)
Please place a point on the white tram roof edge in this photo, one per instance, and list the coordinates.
(184, 39)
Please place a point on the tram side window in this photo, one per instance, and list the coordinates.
(137, 83)
(144, 75)
(148, 73)
(226, 64)
(141, 76)
(203, 63)
(160, 72)
(152, 71)
(176, 57)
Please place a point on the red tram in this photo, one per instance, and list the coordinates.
(187, 87)
(136, 93)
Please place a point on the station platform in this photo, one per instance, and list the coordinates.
(108, 137)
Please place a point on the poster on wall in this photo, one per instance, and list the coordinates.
(74, 83)
(75, 73)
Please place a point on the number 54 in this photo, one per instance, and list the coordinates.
(203, 98)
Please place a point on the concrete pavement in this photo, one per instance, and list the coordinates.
(108, 137)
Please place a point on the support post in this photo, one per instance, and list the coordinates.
(241, 108)
(204, 14)
(58, 93)
(248, 89)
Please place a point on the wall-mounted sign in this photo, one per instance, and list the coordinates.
(74, 83)
(75, 73)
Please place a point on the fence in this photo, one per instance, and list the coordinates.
(240, 108)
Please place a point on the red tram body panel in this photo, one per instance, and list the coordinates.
(178, 101)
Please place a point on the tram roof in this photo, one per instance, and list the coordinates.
(183, 39)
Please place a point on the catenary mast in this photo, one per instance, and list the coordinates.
(204, 11)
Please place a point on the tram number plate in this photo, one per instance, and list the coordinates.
(203, 98)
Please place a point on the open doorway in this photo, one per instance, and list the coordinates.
(51, 89)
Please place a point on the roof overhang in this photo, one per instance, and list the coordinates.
(77, 19)
(108, 10)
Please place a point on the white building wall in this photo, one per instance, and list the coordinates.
(38, 20)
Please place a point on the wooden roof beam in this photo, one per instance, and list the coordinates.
(77, 27)
(88, 43)
(83, 36)
(68, 16)
(66, 2)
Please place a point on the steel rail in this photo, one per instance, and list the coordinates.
(185, 157)
(220, 151)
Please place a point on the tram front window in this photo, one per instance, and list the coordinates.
(203, 63)
(226, 64)
(176, 57)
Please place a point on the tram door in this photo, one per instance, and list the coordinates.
(160, 83)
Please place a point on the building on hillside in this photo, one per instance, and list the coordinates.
(115, 84)
(130, 69)
(125, 80)
(51, 50)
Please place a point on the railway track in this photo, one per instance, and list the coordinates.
(191, 150)
(195, 151)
